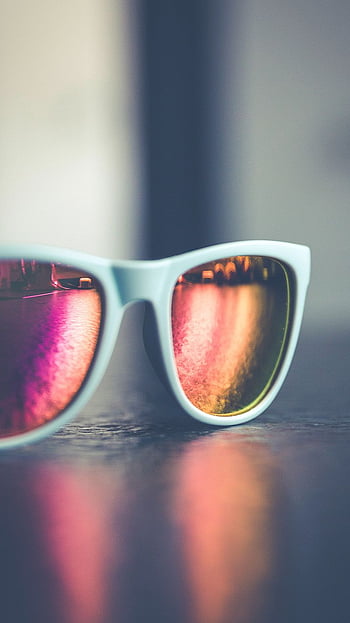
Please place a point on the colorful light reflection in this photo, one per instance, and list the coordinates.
(160, 532)
(223, 503)
(79, 513)
(229, 332)
(47, 346)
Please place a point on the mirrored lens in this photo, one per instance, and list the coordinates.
(230, 321)
(50, 320)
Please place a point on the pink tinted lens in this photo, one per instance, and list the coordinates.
(50, 319)
(230, 321)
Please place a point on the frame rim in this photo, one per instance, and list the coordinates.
(297, 258)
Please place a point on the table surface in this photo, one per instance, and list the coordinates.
(136, 513)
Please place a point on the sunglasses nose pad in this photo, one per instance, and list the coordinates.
(152, 345)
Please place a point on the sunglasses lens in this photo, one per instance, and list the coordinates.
(230, 321)
(50, 320)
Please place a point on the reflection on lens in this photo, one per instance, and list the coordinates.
(50, 318)
(230, 322)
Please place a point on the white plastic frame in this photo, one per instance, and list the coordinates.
(126, 281)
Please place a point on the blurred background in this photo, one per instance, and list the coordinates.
(142, 128)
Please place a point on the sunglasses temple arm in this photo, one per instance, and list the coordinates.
(152, 346)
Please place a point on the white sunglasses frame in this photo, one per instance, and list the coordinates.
(126, 281)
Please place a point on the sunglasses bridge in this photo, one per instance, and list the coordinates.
(140, 280)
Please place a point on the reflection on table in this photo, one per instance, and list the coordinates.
(189, 541)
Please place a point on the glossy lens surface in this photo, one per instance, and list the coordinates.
(230, 321)
(50, 320)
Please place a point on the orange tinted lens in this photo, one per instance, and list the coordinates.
(230, 320)
(50, 319)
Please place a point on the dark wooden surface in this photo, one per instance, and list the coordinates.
(136, 513)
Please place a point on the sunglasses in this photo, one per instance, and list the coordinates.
(221, 327)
